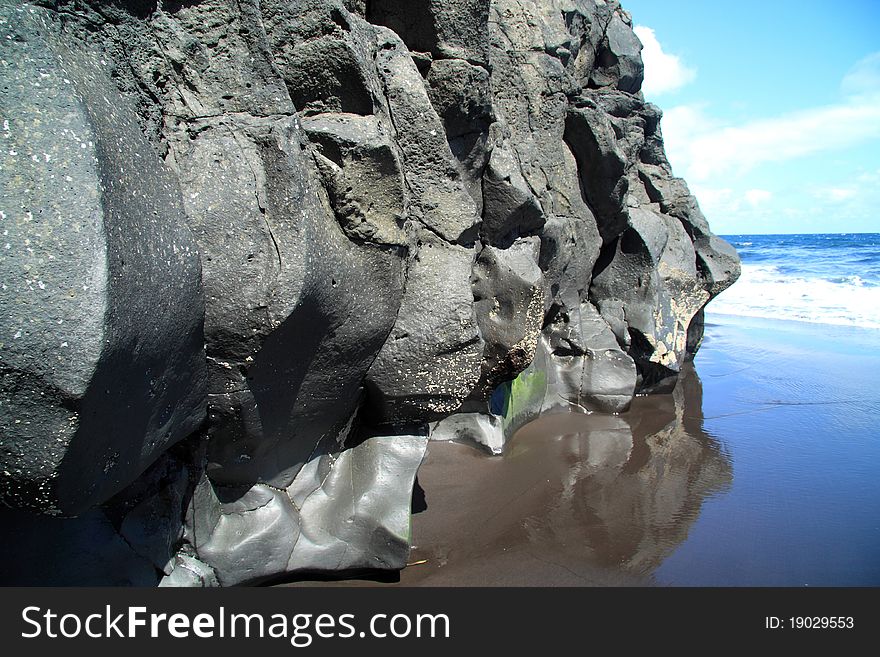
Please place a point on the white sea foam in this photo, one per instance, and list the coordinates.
(763, 291)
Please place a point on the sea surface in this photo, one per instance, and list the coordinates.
(824, 278)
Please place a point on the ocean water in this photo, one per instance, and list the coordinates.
(823, 278)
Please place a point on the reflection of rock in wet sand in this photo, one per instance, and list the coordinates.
(576, 498)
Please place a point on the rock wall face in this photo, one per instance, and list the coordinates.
(256, 251)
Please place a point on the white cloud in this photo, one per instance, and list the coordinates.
(726, 201)
(862, 187)
(756, 197)
(844, 204)
(700, 149)
(836, 193)
(715, 154)
(715, 200)
(663, 72)
(681, 125)
(863, 77)
(870, 177)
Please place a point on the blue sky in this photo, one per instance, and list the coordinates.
(771, 109)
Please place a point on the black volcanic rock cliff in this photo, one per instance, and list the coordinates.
(256, 252)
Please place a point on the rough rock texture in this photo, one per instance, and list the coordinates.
(101, 330)
(255, 252)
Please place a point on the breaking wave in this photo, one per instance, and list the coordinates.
(768, 291)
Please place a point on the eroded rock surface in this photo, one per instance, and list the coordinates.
(255, 252)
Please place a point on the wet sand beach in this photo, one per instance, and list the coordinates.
(761, 468)
(575, 500)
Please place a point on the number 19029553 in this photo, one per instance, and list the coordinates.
(810, 622)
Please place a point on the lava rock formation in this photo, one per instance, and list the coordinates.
(258, 252)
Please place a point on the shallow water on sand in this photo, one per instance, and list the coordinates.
(575, 500)
(795, 408)
(762, 468)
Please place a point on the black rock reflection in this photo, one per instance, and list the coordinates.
(576, 499)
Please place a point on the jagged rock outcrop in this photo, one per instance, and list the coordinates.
(255, 252)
